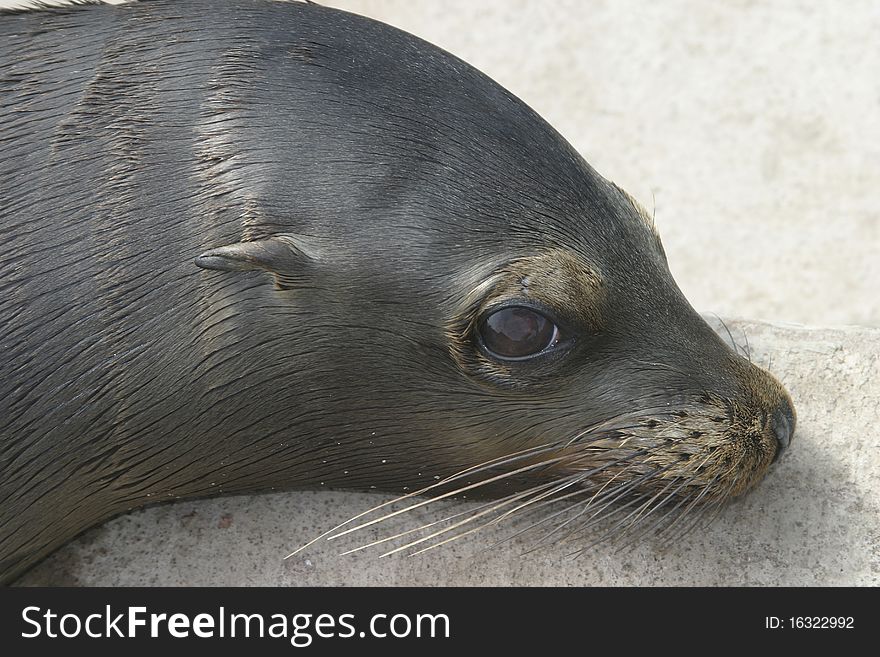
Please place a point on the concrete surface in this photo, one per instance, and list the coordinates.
(814, 520)
(753, 129)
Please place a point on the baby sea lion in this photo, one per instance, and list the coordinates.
(258, 245)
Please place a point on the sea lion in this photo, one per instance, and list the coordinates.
(256, 245)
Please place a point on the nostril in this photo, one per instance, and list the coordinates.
(782, 424)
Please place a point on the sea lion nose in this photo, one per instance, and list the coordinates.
(782, 424)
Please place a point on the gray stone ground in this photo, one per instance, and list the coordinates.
(753, 129)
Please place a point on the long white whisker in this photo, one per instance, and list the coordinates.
(463, 473)
(504, 502)
(457, 491)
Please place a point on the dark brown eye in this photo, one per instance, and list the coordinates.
(518, 332)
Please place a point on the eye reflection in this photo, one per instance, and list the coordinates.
(518, 332)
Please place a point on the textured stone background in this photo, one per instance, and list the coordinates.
(754, 130)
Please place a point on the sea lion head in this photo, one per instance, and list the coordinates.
(467, 301)
(414, 284)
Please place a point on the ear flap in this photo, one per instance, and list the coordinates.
(286, 256)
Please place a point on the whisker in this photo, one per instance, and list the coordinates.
(588, 505)
(648, 528)
(622, 503)
(635, 522)
(621, 492)
(543, 496)
(733, 343)
(718, 505)
(610, 532)
(544, 519)
(698, 516)
(670, 513)
(423, 527)
(504, 502)
(585, 506)
(449, 494)
(688, 509)
(535, 495)
(475, 529)
(532, 451)
(558, 486)
(611, 426)
(714, 508)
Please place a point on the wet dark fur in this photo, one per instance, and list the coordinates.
(414, 193)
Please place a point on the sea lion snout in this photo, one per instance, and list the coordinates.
(757, 418)
(755, 424)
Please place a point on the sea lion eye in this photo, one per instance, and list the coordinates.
(517, 332)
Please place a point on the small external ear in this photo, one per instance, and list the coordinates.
(286, 256)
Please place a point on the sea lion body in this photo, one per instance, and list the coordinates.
(248, 246)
